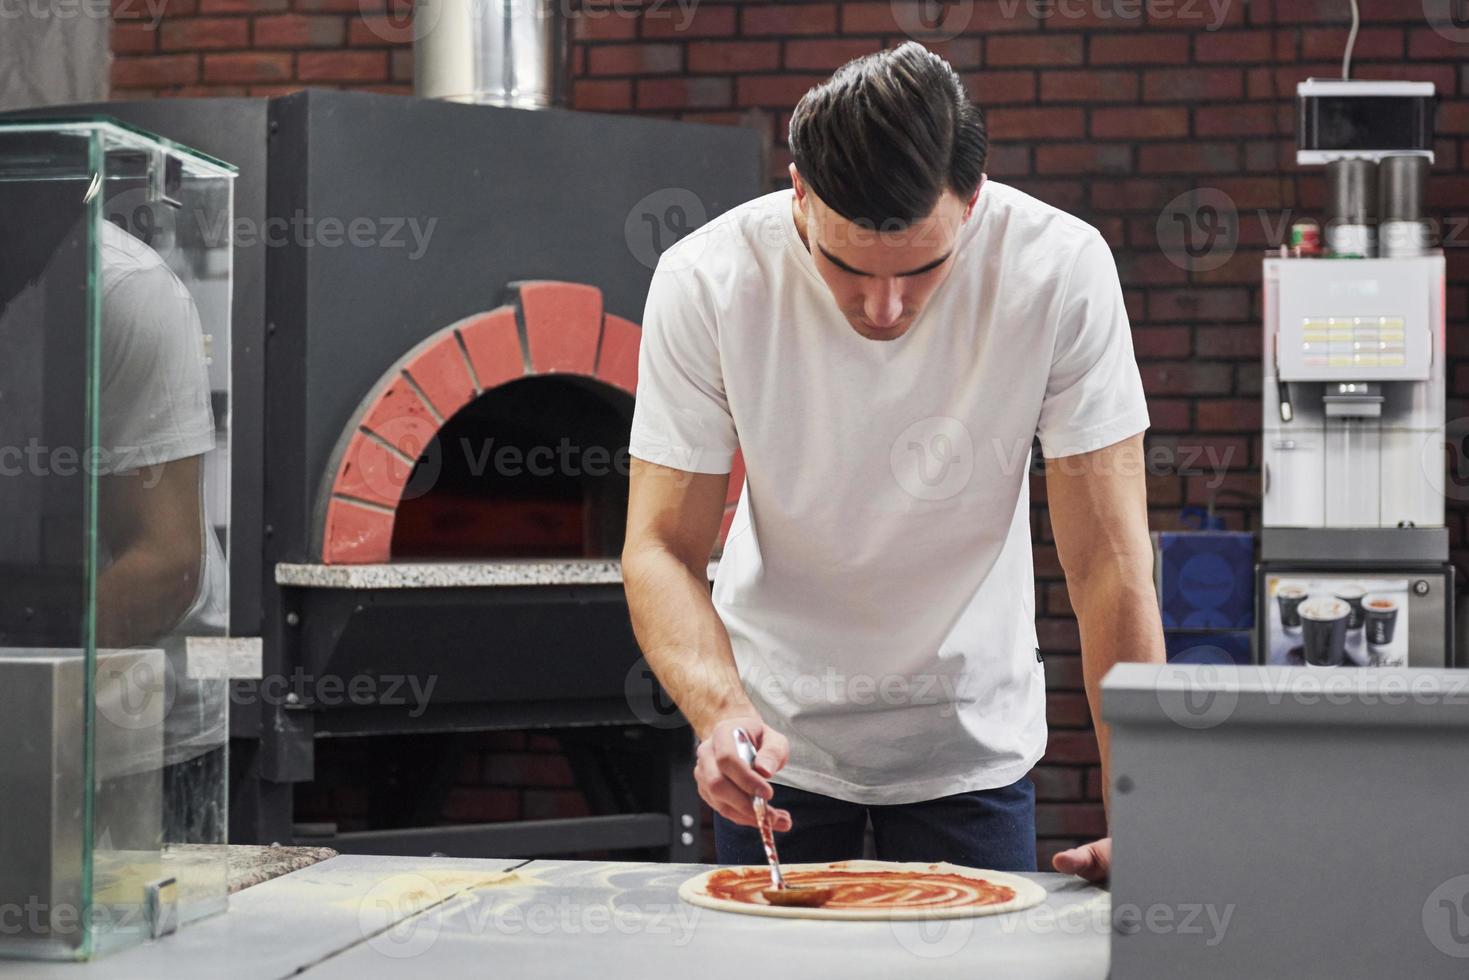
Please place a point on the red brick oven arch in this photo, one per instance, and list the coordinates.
(548, 328)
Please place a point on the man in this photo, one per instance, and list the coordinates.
(884, 342)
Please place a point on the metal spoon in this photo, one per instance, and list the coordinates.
(779, 893)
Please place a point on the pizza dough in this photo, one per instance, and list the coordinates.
(869, 890)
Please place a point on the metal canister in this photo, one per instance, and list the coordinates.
(1351, 192)
(1400, 189)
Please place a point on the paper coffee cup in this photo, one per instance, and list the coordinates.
(1290, 598)
(1324, 630)
(1352, 595)
(1380, 612)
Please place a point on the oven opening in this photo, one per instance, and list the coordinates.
(535, 468)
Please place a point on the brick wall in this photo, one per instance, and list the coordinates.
(1093, 107)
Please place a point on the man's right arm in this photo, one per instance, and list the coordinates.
(672, 521)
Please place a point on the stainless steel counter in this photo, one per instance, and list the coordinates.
(362, 917)
(456, 574)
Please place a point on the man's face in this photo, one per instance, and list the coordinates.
(881, 278)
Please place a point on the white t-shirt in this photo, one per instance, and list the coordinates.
(877, 581)
(153, 408)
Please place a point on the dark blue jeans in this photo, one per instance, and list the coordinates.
(992, 828)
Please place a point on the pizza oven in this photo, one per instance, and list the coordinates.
(435, 355)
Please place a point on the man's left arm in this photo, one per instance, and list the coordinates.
(1099, 516)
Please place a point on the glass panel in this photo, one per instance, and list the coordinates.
(47, 332)
(114, 493)
(162, 586)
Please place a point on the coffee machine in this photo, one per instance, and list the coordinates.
(1354, 549)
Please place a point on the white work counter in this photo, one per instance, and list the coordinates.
(360, 917)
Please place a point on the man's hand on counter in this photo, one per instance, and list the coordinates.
(1090, 861)
(726, 783)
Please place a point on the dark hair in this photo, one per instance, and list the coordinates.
(882, 138)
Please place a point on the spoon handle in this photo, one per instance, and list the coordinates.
(746, 749)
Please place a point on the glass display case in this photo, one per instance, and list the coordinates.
(115, 283)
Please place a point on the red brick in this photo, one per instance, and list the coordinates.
(1059, 635)
(1228, 414)
(1169, 415)
(997, 88)
(356, 535)
(634, 59)
(1150, 342)
(1135, 48)
(733, 56)
(827, 54)
(299, 31)
(1076, 820)
(441, 371)
(342, 66)
(960, 52)
(1198, 304)
(1043, 50)
(617, 355)
(1071, 747)
(1185, 378)
(698, 20)
(397, 408)
(201, 33)
(1232, 46)
(1372, 42)
(402, 64)
(684, 93)
(242, 6)
(1079, 158)
(1021, 124)
(133, 38)
(1067, 710)
(603, 22)
(1192, 157)
(785, 19)
(1193, 84)
(1089, 86)
(562, 324)
(1135, 195)
(1156, 122)
(603, 95)
(774, 90)
(1057, 783)
(370, 471)
(1236, 120)
(251, 67)
(156, 72)
(982, 19)
(1229, 343)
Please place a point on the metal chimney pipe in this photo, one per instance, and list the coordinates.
(493, 52)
